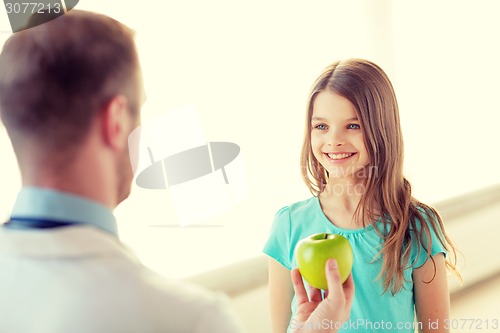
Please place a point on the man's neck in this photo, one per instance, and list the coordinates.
(84, 179)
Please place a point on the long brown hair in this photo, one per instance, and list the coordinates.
(369, 89)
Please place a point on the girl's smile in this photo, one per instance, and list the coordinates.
(338, 157)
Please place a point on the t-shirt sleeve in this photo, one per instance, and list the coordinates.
(278, 242)
(420, 258)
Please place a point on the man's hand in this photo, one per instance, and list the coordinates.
(322, 315)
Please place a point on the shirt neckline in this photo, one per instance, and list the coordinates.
(45, 203)
(325, 219)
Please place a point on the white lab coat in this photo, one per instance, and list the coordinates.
(81, 279)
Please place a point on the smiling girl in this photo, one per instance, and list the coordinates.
(352, 162)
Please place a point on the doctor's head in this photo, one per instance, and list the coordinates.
(70, 94)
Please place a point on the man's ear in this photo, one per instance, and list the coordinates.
(115, 123)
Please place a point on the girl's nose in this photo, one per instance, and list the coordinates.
(336, 138)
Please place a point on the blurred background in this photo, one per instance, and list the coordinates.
(247, 67)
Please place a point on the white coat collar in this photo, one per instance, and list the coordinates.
(77, 241)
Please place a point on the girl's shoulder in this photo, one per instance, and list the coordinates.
(427, 234)
(299, 208)
(421, 213)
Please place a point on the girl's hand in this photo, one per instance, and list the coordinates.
(322, 315)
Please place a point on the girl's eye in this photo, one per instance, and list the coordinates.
(320, 127)
(353, 126)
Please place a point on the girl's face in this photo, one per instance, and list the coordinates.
(336, 136)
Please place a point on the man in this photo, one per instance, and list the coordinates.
(70, 94)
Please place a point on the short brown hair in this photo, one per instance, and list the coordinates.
(56, 77)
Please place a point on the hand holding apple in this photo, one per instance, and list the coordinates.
(312, 253)
(312, 308)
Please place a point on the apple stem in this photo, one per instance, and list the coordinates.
(326, 236)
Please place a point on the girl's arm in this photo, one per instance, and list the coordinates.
(280, 296)
(432, 300)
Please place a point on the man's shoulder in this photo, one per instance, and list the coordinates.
(93, 275)
(180, 304)
(171, 303)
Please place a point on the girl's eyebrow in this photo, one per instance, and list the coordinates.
(318, 118)
(323, 119)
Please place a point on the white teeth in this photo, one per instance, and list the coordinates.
(339, 156)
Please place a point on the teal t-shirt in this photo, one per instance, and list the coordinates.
(371, 311)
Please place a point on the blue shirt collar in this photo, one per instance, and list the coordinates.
(44, 203)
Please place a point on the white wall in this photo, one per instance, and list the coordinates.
(248, 68)
(446, 76)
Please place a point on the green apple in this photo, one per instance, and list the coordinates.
(312, 253)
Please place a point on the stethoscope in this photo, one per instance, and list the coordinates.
(23, 223)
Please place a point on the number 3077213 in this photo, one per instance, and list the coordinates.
(472, 324)
(32, 7)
